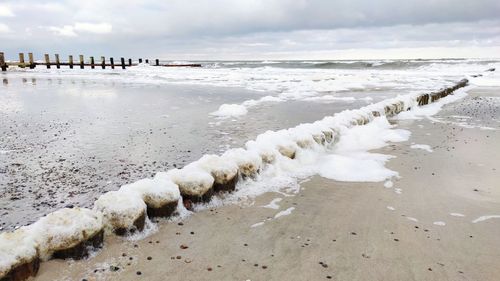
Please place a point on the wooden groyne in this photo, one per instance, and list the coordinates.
(81, 63)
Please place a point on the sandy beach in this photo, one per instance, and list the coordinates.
(249, 140)
(438, 221)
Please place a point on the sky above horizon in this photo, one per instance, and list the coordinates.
(252, 29)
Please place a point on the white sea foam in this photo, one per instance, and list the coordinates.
(422, 146)
(457, 215)
(391, 208)
(440, 223)
(484, 218)
(388, 184)
(273, 204)
(257, 224)
(230, 110)
(284, 213)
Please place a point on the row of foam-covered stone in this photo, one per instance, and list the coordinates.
(71, 233)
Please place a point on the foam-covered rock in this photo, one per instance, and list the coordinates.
(122, 211)
(288, 150)
(195, 184)
(249, 163)
(266, 153)
(19, 257)
(224, 171)
(68, 233)
(160, 194)
(329, 135)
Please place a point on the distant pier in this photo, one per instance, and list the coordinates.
(81, 62)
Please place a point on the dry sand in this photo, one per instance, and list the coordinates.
(338, 230)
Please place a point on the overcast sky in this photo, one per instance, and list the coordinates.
(253, 29)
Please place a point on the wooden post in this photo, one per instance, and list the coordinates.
(32, 61)
(3, 65)
(123, 62)
(70, 60)
(157, 62)
(92, 63)
(112, 62)
(21, 60)
(82, 63)
(103, 62)
(140, 60)
(147, 61)
(58, 63)
(47, 60)
(129, 62)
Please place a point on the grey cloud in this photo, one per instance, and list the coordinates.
(245, 26)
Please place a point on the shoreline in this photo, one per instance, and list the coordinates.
(219, 240)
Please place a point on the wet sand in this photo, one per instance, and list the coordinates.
(421, 228)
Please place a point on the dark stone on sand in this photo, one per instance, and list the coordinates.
(23, 271)
(82, 249)
(183, 247)
(164, 211)
(114, 268)
(138, 225)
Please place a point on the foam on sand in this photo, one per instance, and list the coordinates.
(273, 204)
(422, 146)
(230, 110)
(484, 218)
(284, 213)
(352, 162)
